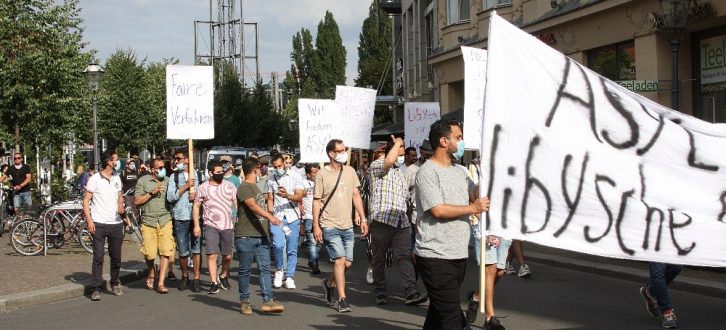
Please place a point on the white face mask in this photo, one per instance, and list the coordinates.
(341, 158)
(400, 160)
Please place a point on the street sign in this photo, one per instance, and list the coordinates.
(145, 155)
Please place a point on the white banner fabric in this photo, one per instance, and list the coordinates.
(357, 106)
(189, 102)
(418, 117)
(475, 71)
(575, 161)
(319, 122)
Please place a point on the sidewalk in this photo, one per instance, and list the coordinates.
(63, 274)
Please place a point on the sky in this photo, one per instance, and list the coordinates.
(157, 29)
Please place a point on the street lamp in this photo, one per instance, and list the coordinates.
(292, 124)
(673, 27)
(93, 74)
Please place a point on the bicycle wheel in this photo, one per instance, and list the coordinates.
(27, 237)
(3, 216)
(56, 231)
(84, 237)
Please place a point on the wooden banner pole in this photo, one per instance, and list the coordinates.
(191, 163)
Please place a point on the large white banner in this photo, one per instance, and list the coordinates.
(357, 106)
(319, 122)
(475, 71)
(575, 161)
(418, 117)
(189, 102)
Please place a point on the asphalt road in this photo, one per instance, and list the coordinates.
(553, 298)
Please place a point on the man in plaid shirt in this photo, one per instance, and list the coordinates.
(390, 227)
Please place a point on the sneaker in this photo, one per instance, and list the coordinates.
(314, 269)
(369, 275)
(224, 283)
(651, 304)
(116, 290)
(184, 284)
(277, 282)
(328, 292)
(289, 283)
(196, 286)
(213, 289)
(272, 306)
(669, 319)
(524, 271)
(96, 295)
(509, 270)
(342, 305)
(381, 299)
(170, 276)
(493, 324)
(416, 298)
(472, 309)
(245, 308)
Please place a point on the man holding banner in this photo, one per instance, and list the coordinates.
(443, 219)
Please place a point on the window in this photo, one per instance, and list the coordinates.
(489, 4)
(615, 62)
(458, 11)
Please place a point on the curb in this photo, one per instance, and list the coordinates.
(11, 302)
(683, 283)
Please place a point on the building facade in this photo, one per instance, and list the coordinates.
(623, 40)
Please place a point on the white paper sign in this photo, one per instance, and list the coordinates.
(357, 106)
(319, 122)
(578, 162)
(418, 117)
(189, 102)
(475, 71)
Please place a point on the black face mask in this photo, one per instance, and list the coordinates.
(218, 177)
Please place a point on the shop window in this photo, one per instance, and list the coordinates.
(458, 11)
(489, 4)
(615, 62)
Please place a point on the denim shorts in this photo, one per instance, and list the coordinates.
(339, 242)
(185, 240)
(497, 255)
(22, 199)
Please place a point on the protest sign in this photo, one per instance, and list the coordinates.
(418, 117)
(475, 71)
(319, 122)
(578, 162)
(356, 106)
(189, 102)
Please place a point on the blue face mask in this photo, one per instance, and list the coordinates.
(161, 174)
(459, 150)
(180, 167)
(117, 167)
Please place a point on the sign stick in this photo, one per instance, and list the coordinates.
(191, 163)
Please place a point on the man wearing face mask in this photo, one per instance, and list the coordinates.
(443, 225)
(390, 228)
(284, 191)
(156, 225)
(129, 177)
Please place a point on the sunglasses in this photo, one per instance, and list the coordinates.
(179, 158)
(18, 158)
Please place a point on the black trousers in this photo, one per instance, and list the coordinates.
(383, 237)
(443, 278)
(115, 236)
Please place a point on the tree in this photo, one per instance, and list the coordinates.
(374, 59)
(43, 95)
(155, 95)
(329, 68)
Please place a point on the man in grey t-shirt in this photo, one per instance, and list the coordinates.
(445, 198)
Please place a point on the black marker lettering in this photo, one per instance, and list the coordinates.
(673, 226)
(571, 204)
(530, 182)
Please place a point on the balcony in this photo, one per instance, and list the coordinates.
(392, 7)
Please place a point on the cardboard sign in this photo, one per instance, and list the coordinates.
(418, 117)
(357, 106)
(189, 102)
(319, 122)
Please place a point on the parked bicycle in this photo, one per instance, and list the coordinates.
(8, 216)
(57, 225)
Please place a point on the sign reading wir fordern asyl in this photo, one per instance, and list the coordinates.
(189, 102)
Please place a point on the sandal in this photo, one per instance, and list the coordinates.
(150, 283)
(162, 289)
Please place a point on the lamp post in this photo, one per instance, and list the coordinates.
(673, 27)
(93, 74)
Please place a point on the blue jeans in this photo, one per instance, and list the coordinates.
(661, 275)
(280, 242)
(248, 249)
(21, 199)
(185, 240)
(339, 242)
(312, 245)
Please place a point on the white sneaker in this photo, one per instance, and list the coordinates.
(289, 283)
(369, 276)
(277, 282)
(524, 271)
(509, 269)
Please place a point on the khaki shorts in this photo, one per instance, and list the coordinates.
(157, 241)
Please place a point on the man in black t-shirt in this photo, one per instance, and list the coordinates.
(129, 176)
(21, 182)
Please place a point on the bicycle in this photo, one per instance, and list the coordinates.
(8, 216)
(57, 224)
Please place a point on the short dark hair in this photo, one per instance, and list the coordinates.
(441, 128)
(277, 156)
(309, 167)
(331, 145)
(212, 164)
(410, 149)
(107, 156)
(184, 153)
(250, 165)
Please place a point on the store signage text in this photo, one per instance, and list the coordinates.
(640, 85)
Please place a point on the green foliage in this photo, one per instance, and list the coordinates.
(329, 68)
(374, 59)
(42, 90)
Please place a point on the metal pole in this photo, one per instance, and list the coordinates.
(95, 133)
(675, 104)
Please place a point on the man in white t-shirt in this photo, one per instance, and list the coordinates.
(102, 204)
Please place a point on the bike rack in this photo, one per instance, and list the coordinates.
(65, 205)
